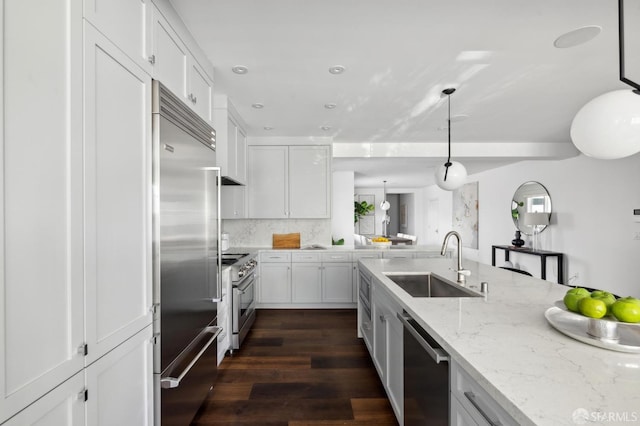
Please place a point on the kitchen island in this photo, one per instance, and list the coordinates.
(503, 341)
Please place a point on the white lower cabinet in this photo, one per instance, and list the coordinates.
(115, 390)
(63, 406)
(387, 347)
(120, 384)
(337, 282)
(306, 282)
(275, 278)
(225, 320)
(460, 416)
(473, 405)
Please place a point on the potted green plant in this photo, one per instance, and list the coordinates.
(360, 209)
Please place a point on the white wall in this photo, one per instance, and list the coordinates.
(342, 207)
(592, 221)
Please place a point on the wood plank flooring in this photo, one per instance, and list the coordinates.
(299, 368)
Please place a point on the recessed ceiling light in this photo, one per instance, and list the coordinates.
(577, 36)
(268, 128)
(325, 128)
(336, 69)
(257, 105)
(330, 106)
(240, 69)
(459, 117)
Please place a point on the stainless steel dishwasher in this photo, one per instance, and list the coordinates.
(426, 377)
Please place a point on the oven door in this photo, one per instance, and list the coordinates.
(243, 308)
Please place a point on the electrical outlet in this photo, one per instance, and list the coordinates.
(636, 235)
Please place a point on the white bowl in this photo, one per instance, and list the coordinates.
(381, 245)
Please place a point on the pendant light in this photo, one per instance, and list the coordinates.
(451, 175)
(384, 205)
(608, 127)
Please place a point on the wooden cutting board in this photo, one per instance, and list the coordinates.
(286, 241)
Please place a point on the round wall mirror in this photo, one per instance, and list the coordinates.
(531, 208)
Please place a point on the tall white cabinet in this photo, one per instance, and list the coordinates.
(76, 343)
(41, 211)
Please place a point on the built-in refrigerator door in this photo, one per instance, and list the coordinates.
(187, 227)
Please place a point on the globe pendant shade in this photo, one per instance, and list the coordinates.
(456, 177)
(608, 127)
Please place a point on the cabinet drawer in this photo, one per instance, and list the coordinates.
(275, 256)
(477, 401)
(336, 257)
(305, 256)
(367, 254)
(428, 255)
(400, 254)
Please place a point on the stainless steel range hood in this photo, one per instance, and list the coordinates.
(226, 180)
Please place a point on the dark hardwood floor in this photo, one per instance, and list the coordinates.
(299, 368)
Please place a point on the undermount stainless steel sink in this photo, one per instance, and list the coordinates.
(429, 285)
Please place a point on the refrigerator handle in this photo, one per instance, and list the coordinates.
(174, 382)
(219, 284)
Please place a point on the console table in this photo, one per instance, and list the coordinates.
(543, 254)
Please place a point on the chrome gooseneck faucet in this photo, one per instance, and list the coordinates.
(462, 273)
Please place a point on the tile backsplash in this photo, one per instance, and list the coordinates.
(259, 232)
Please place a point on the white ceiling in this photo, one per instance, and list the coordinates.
(513, 84)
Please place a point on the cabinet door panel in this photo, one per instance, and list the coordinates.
(309, 182)
(127, 23)
(268, 182)
(41, 216)
(275, 283)
(395, 363)
(170, 56)
(117, 195)
(337, 285)
(241, 155)
(306, 283)
(120, 384)
(232, 147)
(201, 91)
(60, 407)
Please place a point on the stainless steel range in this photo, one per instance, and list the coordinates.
(243, 275)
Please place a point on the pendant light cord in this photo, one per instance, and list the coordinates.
(448, 163)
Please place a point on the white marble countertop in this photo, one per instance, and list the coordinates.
(420, 248)
(540, 376)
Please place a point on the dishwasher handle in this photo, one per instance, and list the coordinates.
(438, 354)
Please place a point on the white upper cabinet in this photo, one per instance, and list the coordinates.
(268, 182)
(117, 152)
(289, 181)
(233, 204)
(231, 140)
(41, 207)
(127, 23)
(200, 96)
(177, 68)
(170, 57)
(310, 181)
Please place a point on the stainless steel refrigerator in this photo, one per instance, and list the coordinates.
(186, 258)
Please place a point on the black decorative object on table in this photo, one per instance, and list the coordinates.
(518, 242)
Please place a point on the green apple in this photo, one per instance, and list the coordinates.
(608, 298)
(573, 296)
(592, 308)
(627, 309)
